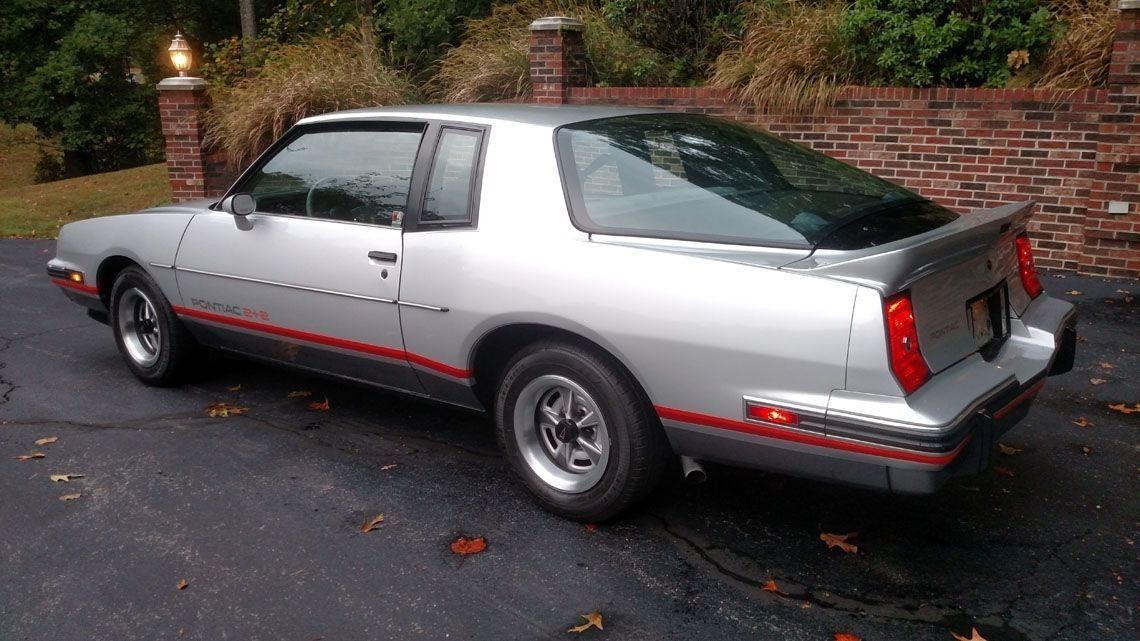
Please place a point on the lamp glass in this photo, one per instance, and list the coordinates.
(180, 55)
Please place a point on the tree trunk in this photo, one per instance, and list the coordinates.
(248, 20)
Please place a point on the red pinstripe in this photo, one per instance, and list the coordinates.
(86, 289)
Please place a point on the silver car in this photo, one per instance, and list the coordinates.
(615, 287)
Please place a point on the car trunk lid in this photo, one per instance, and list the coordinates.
(963, 279)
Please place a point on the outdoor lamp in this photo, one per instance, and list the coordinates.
(180, 55)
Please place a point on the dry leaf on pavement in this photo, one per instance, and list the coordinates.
(64, 478)
(1004, 471)
(321, 406)
(183, 584)
(1106, 365)
(1082, 422)
(1009, 450)
(234, 388)
(974, 636)
(48, 440)
(28, 457)
(770, 586)
(372, 523)
(846, 636)
(1124, 409)
(593, 620)
(840, 541)
(591, 527)
(385, 468)
(1097, 381)
(300, 394)
(223, 410)
(1074, 292)
(70, 497)
(464, 546)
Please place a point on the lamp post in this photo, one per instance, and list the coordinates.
(180, 55)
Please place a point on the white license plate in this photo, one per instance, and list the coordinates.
(980, 321)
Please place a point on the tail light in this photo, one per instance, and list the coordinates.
(907, 362)
(1025, 267)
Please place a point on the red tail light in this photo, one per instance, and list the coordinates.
(770, 414)
(1025, 267)
(902, 341)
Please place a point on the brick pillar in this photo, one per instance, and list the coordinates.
(194, 171)
(1112, 229)
(557, 58)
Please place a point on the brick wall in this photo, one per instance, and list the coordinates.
(194, 171)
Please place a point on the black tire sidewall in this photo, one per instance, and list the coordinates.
(621, 409)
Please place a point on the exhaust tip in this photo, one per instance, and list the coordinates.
(692, 470)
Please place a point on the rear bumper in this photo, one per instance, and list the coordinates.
(910, 444)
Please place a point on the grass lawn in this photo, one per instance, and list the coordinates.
(40, 210)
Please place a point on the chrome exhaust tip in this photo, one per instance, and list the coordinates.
(693, 471)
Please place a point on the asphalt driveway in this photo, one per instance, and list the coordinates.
(260, 513)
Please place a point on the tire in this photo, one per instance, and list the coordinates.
(157, 348)
(610, 455)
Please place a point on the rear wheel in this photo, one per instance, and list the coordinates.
(155, 345)
(578, 431)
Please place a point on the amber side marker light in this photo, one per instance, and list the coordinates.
(770, 414)
(1025, 266)
(75, 277)
(907, 362)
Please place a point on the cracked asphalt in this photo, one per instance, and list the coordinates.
(260, 514)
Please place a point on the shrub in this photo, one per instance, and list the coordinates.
(492, 62)
(790, 57)
(1080, 54)
(319, 75)
(920, 43)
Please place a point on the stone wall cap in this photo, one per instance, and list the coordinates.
(179, 83)
(557, 23)
(1129, 4)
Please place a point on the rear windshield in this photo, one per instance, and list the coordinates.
(693, 177)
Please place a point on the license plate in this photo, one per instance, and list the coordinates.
(981, 321)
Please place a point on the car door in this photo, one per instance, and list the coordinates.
(312, 277)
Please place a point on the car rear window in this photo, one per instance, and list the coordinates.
(692, 177)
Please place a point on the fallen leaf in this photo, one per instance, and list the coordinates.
(1004, 471)
(1097, 381)
(464, 546)
(300, 394)
(183, 584)
(234, 388)
(846, 636)
(28, 457)
(372, 523)
(1118, 576)
(771, 586)
(593, 620)
(839, 541)
(64, 478)
(322, 406)
(1081, 339)
(1124, 409)
(1123, 291)
(385, 468)
(1009, 450)
(70, 497)
(591, 527)
(1074, 292)
(1086, 450)
(47, 440)
(1082, 422)
(1106, 365)
(223, 410)
(974, 636)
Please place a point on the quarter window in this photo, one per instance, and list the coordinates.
(448, 197)
(360, 176)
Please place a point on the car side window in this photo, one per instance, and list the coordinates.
(448, 196)
(361, 176)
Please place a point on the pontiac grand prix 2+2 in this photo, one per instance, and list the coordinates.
(614, 286)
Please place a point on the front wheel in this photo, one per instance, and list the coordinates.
(578, 431)
(153, 342)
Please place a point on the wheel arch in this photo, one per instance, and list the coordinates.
(108, 270)
(495, 349)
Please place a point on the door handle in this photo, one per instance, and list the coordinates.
(384, 257)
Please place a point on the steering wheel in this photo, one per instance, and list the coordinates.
(313, 190)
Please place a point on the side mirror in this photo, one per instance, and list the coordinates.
(239, 205)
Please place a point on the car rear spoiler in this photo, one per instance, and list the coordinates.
(894, 266)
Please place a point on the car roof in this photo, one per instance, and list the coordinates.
(485, 113)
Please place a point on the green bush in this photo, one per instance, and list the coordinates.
(921, 43)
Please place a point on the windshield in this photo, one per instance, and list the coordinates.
(698, 178)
